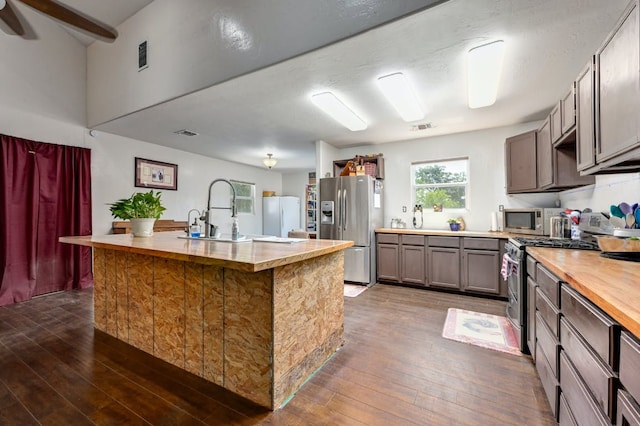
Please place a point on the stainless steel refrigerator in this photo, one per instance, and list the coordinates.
(351, 209)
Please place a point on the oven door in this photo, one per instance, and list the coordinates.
(513, 277)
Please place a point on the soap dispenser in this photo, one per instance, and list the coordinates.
(235, 231)
(194, 230)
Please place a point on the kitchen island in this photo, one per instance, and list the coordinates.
(255, 318)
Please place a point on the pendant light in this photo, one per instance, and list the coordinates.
(270, 162)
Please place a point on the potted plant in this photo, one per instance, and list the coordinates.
(454, 225)
(141, 209)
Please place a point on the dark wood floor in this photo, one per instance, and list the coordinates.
(394, 369)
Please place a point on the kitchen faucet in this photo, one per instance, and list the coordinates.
(207, 214)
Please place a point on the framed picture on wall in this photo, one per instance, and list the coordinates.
(156, 174)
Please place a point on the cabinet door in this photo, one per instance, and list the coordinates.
(618, 85)
(388, 262)
(568, 109)
(585, 114)
(481, 271)
(531, 316)
(555, 122)
(412, 264)
(444, 267)
(520, 163)
(545, 157)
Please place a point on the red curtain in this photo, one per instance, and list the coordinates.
(45, 194)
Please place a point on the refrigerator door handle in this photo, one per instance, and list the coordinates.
(282, 219)
(344, 212)
(339, 224)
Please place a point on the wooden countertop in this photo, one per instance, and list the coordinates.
(443, 232)
(244, 256)
(613, 285)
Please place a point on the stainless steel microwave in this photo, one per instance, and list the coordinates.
(534, 221)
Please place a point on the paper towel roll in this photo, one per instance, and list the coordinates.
(494, 221)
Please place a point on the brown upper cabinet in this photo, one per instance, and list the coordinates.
(520, 163)
(545, 155)
(555, 122)
(568, 110)
(585, 117)
(617, 102)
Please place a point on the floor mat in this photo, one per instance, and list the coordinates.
(352, 290)
(485, 330)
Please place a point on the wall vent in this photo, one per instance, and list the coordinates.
(185, 132)
(143, 51)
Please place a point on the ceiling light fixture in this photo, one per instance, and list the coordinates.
(484, 69)
(270, 162)
(398, 91)
(331, 105)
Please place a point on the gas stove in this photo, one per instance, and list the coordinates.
(564, 243)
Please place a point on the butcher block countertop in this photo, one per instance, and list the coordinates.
(445, 233)
(613, 285)
(243, 256)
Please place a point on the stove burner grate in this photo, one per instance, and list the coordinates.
(557, 243)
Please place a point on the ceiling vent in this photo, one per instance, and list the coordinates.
(185, 132)
(143, 60)
(419, 127)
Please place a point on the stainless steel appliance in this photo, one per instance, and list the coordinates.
(532, 221)
(351, 209)
(515, 259)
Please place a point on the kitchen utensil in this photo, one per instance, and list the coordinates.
(615, 211)
(617, 222)
(631, 220)
(625, 208)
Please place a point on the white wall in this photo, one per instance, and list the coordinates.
(608, 190)
(485, 150)
(42, 83)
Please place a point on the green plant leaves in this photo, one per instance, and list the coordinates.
(139, 205)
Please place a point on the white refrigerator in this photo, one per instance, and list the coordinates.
(280, 215)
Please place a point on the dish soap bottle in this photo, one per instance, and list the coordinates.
(235, 231)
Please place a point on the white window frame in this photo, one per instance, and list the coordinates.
(251, 198)
(415, 187)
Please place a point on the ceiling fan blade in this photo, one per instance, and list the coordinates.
(9, 17)
(64, 14)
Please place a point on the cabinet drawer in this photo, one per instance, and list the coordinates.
(388, 238)
(597, 376)
(549, 284)
(531, 267)
(550, 314)
(550, 384)
(565, 416)
(595, 326)
(630, 364)
(482, 243)
(547, 343)
(580, 402)
(628, 410)
(453, 242)
(412, 240)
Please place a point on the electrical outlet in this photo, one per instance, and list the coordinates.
(501, 207)
(404, 209)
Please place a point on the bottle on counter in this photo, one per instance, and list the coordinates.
(235, 231)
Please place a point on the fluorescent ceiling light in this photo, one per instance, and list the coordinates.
(331, 105)
(398, 91)
(484, 69)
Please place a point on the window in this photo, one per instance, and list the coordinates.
(245, 196)
(441, 183)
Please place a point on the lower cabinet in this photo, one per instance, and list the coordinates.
(577, 348)
(443, 258)
(412, 264)
(470, 265)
